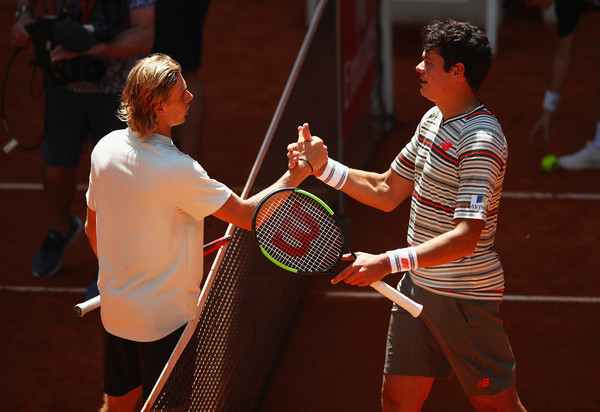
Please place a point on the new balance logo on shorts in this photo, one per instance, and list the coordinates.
(483, 383)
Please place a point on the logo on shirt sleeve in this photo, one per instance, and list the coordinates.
(479, 202)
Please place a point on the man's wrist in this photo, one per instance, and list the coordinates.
(335, 174)
(403, 259)
(551, 100)
(21, 10)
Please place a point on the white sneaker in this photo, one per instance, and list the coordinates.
(586, 158)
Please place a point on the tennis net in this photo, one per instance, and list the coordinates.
(248, 306)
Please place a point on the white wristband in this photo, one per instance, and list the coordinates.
(335, 174)
(551, 100)
(402, 260)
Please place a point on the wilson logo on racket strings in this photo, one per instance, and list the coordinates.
(289, 227)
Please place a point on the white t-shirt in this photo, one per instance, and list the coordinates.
(150, 202)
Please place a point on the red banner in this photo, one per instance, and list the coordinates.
(360, 28)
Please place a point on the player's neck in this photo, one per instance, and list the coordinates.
(456, 107)
(163, 130)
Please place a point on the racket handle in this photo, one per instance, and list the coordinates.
(87, 306)
(216, 244)
(392, 294)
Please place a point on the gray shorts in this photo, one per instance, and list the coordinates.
(460, 335)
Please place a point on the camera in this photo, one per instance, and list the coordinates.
(64, 29)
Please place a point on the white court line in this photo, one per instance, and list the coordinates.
(42, 289)
(31, 186)
(514, 298)
(555, 299)
(505, 194)
(346, 295)
(550, 195)
(80, 186)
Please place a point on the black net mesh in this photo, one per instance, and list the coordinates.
(252, 303)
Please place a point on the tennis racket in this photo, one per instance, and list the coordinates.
(94, 303)
(298, 232)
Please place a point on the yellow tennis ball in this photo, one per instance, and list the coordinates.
(549, 163)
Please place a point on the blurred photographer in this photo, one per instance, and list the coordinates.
(86, 51)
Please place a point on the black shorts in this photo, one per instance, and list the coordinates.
(179, 31)
(72, 118)
(568, 13)
(463, 336)
(128, 364)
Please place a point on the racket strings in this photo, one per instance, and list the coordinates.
(298, 232)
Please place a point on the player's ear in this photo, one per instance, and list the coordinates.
(458, 70)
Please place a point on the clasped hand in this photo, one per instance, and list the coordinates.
(310, 148)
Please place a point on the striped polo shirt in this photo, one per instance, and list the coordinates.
(457, 166)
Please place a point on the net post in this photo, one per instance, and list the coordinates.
(386, 71)
(231, 272)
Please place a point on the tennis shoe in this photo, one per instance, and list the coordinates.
(49, 256)
(586, 158)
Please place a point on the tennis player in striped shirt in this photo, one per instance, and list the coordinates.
(452, 171)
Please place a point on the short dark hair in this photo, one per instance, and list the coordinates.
(460, 42)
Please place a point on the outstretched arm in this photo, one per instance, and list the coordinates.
(452, 245)
(384, 191)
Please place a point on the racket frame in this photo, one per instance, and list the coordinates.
(345, 243)
(380, 286)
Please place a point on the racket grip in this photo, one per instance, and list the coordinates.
(216, 244)
(87, 306)
(392, 294)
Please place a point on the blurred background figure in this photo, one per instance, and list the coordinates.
(568, 14)
(179, 34)
(86, 51)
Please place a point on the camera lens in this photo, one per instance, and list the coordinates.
(93, 70)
